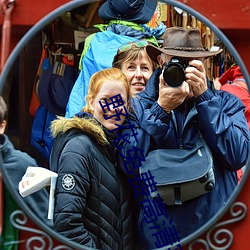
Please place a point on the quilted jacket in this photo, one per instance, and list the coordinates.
(92, 205)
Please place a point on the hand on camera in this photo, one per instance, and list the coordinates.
(169, 97)
(196, 77)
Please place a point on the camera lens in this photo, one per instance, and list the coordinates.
(174, 73)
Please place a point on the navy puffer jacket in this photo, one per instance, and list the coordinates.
(92, 205)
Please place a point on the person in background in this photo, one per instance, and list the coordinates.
(92, 198)
(15, 163)
(164, 117)
(233, 81)
(133, 60)
(124, 22)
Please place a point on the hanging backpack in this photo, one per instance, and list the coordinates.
(40, 137)
(54, 88)
(43, 65)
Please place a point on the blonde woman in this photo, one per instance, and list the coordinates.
(133, 60)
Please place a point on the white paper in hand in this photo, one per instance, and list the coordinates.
(35, 179)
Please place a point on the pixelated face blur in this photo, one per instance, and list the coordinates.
(138, 72)
(108, 90)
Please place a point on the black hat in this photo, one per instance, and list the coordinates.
(54, 89)
(138, 11)
(181, 42)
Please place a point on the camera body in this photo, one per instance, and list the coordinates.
(174, 71)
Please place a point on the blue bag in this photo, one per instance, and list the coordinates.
(41, 137)
(181, 174)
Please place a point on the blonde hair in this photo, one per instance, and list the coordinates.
(96, 81)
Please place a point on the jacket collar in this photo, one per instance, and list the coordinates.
(82, 122)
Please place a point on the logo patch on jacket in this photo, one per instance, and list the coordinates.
(68, 182)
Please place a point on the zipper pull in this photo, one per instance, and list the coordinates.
(181, 143)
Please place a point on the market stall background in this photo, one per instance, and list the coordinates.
(232, 17)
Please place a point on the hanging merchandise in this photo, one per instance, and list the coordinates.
(40, 136)
(52, 88)
(181, 18)
(43, 65)
(55, 86)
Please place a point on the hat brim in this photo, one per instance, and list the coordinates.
(154, 52)
(144, 16)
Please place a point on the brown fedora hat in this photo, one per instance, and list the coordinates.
(181, 42)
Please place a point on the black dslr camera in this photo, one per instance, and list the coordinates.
(173, 71)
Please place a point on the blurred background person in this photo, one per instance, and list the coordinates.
(15, 163)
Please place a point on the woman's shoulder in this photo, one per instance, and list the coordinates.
(79, 142)
(80, 125)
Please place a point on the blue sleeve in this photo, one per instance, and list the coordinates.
(76, 99)
(145, 132)
(157, 124)
(146, 112)
(151, 118)
(132, 136)
(221, 117)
